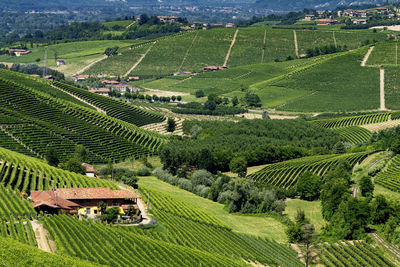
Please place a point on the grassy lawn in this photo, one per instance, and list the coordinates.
(256, 225)
(312, 209)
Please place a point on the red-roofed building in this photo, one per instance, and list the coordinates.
(100, 91)
(81, 200)
(89, 170)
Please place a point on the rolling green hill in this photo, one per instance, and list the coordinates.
(192, 51)
(44, 121)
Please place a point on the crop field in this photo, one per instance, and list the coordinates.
(353, 253)
(52, 121)
(12, 205)
(354, 134)
(353, 121)
(20, 230)
(334, 84)
(25, 174)
(390, 178)
(119, 64)
(71, 52)
(392, 87)
(385, 53)
(14, 253)
(285, 174)
(185, 235)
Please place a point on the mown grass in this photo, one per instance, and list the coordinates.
(312, 210)
(262, 226)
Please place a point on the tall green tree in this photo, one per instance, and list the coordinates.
(171, 125)
(51, 157)
(238, 165)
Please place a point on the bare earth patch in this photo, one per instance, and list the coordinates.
(381, 126)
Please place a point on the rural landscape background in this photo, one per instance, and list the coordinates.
(199, 133)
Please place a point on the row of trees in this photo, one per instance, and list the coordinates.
(34, 69)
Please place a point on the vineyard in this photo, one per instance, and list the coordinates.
(12, 205)
(14, 253)
(353, 253)
(44, 121)
(390, 178)
(354, 134)
(190, 237)
(23, 173)
(353, 121)
(114, 108)
(18, 230)
(285, 174)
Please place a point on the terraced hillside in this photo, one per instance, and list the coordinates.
(353, 253)
(20, 230)
(24, 174)
(192, 51)
(354, 134)
(354, 120)
(390, 178)
(44, 121)
(192, 237)
(285, 174)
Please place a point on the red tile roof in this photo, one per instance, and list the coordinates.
(93, 193)
(49, 198)
(88, 167)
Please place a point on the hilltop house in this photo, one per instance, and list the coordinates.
(60, 62)
(19, 52)
(100, 91)
(214, 68)
(168, 19)
(81, 200)
(309, 17)
(359, 21)
(80, 77)
(323, 22)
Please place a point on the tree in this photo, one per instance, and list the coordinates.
(171, 125)
(332, 194)
(238, 165)
(179, 98)
(51, 157)
(73, 165)
(380, 210)
(210, 105)
(173, 98)
(199, 93)
(308, 186)
(205, 160)
(235, 101)
(131, 211)
(110, 215)
(366, 186)
(80, 153)
(102, 206)
(252, 99)
(225, 101)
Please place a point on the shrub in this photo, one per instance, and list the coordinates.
(202, 177)
(143, 171)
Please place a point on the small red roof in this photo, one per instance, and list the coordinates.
(89, 168)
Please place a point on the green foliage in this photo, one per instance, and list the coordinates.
(332, 194)
(199, 93)
(111, 51)
(389, 178)
(380, 210)
(143, 171)
(73, 165)
(171, 125)
(52, 158)
(353, 121)
(366, 186)
(354, 134)
(110, 215)
(252, 100)
(308, 186)
(238, 165)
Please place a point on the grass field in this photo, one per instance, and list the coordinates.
(262, 226)
(312, 209)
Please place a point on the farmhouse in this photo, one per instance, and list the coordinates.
(80, 77)
(81, 200)
(50, 77)
(133, 78)
(60, 62)
(309, 17)
(359, 21)
(214, 68)
(19, 52)
(89, 169)
(100, 91)
(107, 82)
(123, 87)
(381, 10)
(323, 22)
(168, 19)
(229, 25)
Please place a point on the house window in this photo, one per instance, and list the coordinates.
(115, 204)
(88, 211)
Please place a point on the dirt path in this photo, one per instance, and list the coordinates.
(91, 64)
(80, 99)
(140, 59)
(188, 51)
(364, 61)
(296, 46)
(355, 191)
(382, 89)
(41, 235)
(334, 39)
(127, 27)
(230, 48)
(264, 46)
